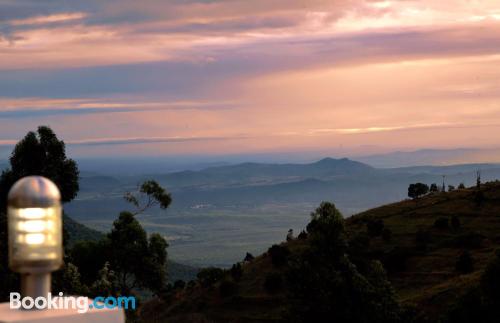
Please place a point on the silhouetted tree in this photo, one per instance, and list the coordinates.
(417, 190)
(325, 286)
(38, 153)
(451, 188)
(248, 257)
(137, 261)
(461, 186)
(433, 188)
(149, 194)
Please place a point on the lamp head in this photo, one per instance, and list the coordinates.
(35, 226)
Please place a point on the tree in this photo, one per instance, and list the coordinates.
(451, 188)
(43, 154)
(326, 230)
(38, 153)
(248, 257)
(417, 190)
(325, 286)
(461, 186)
(434, 188)
(137, 261)
(149, 194)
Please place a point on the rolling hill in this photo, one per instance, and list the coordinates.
(420, 256)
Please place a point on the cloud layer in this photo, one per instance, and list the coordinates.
(179, 76)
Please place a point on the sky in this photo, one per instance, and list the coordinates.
(201, 77)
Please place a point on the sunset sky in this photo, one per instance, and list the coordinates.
(256, 76)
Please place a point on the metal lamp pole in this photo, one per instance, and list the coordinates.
(35, 233)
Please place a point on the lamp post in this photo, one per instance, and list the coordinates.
(35, 233)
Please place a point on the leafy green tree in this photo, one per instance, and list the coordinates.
(325, 286)
(136, 261)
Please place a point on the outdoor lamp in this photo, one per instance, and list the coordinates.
(35, 233)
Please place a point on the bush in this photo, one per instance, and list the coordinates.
(455, 222)
(209, 276)
(387, 235)
(273, 282)
(441, 223)
(227, 288)
(236, 272)
(248, 257)
(465, 263)
(279, 255)
(302, 235)
(375, 227)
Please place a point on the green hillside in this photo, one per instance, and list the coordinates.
(419, 253)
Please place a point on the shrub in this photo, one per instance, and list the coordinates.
(375, 227)
(209, 276)
(465, 263)
(273, 282)
(227, 288)
(441, 223)
(248, 257)
(302, 235)
(279, 255)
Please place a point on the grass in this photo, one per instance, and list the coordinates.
(427, 279)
